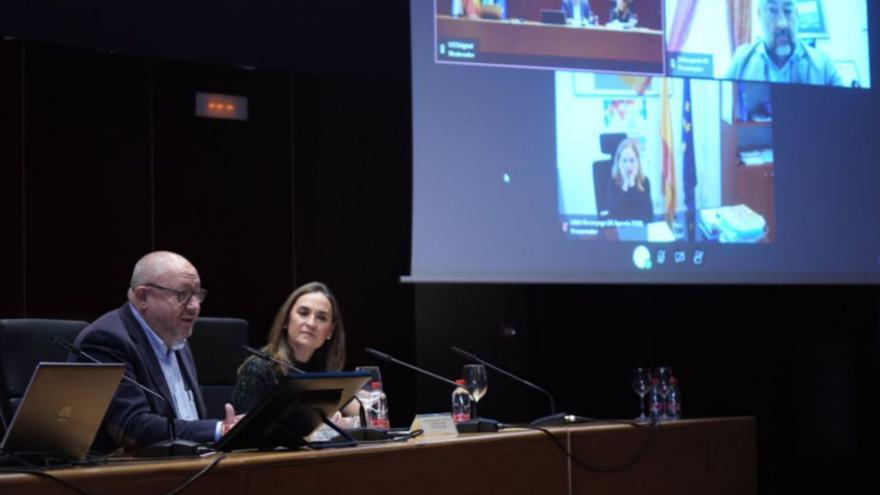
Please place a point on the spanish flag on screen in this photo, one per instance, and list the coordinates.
(668, 181)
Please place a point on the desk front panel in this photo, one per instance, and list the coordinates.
(692, 456)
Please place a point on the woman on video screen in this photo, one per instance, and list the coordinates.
(622, 11)
(629, 194)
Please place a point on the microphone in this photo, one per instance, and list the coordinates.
(553, 419)
(74, 349)
(468, 355)
(392, 359)
(167, 448)
(268, 357)
(471, 426)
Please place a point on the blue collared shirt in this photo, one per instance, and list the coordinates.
(183, 398)
(807, 65)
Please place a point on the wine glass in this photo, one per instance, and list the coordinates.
(641, 380)
(476, 381)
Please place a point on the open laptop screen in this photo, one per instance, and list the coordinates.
(62, 409)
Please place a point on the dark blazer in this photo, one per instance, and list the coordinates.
(632, 204)
(135, 418)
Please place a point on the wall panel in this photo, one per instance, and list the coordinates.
(87, 192)
(11, 174)
(223, 190)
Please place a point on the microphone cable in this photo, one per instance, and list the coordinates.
(202, 472)
(41, 473)
(654, 427)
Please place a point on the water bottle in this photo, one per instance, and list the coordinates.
(377, 413)
(673, 400)
(461, 402)
(655, 404)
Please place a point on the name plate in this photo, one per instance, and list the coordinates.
(434, 425)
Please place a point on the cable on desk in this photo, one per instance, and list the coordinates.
(394, 438)
(42, 474)
(29, 468)
(654, 428)
(202, 472)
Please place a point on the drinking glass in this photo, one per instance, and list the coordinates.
(641, 381)
(476, 381)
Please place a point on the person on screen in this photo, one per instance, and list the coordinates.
(472, 8)
(568, 6)
(622, 11)
(309, 334)
(148, 334)
(779, 55)
(629, 193)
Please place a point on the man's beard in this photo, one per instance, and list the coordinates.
(783, 49)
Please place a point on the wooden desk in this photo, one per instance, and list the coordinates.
(556, 46)
(685, 457)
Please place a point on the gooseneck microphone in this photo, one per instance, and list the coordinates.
(268, 357)
(168, 448)
(392, 359)
(74, 349)
(468, 355)
(471, 426)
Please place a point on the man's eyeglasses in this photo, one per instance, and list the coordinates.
(183, 296)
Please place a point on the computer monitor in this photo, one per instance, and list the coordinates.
(292, 410)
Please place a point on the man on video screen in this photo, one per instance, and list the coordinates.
(779, 55)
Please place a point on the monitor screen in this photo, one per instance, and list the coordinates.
(553, 146)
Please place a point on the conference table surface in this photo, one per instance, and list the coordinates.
(699, 456)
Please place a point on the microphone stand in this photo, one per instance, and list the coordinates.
(553, 419)
(468, 355)
(175, 447)
(268, 357)
(471, 426)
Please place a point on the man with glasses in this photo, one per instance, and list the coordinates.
(779, 56)
(148, 333)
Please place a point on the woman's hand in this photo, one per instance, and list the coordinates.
(345, 422)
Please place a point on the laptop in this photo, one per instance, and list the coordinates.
(292, 410)
(62, 409)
